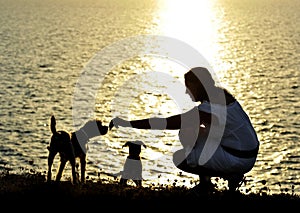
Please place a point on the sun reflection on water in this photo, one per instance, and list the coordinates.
(192, 21)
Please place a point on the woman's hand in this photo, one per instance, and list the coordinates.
(118, 122)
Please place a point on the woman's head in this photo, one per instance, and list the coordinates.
(198, 81)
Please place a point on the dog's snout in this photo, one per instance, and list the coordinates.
(104, 130)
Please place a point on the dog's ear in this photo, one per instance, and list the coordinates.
(133, 143)
(141, 143)
(111, 124)
(53, 124)
(126, 144)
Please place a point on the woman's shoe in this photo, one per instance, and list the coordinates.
(204, 188)
(234, 182)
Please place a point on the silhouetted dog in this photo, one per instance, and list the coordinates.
(72, 145)
(133, 165)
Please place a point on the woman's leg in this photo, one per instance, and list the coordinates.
(205, 174)
(179, 159)
(234, 180)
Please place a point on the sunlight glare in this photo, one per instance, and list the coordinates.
(191, 21)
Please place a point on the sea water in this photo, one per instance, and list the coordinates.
(47, 48)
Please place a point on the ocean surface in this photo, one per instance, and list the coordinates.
(83, 59)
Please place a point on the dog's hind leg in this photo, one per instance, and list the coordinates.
(50, 163)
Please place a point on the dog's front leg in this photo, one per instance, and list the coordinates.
(123, 181)
(83, 167)
(138, 183)
(61, 169)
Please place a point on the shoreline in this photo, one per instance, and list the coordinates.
(27, 188)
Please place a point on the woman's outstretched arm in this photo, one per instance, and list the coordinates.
(168, 123)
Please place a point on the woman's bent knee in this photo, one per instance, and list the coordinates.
(179, 158)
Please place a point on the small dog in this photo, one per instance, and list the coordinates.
(133, 165)
(71, 146)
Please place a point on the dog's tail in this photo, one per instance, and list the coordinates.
(53, 124)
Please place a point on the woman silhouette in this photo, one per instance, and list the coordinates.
(217, 136)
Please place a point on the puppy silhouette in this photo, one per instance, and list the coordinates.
(133, 168)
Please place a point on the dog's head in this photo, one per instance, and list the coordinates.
(134, 147)
(94, 128)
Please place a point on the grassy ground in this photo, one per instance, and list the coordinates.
(30, 190)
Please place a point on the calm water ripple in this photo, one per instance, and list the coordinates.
(253, 46)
